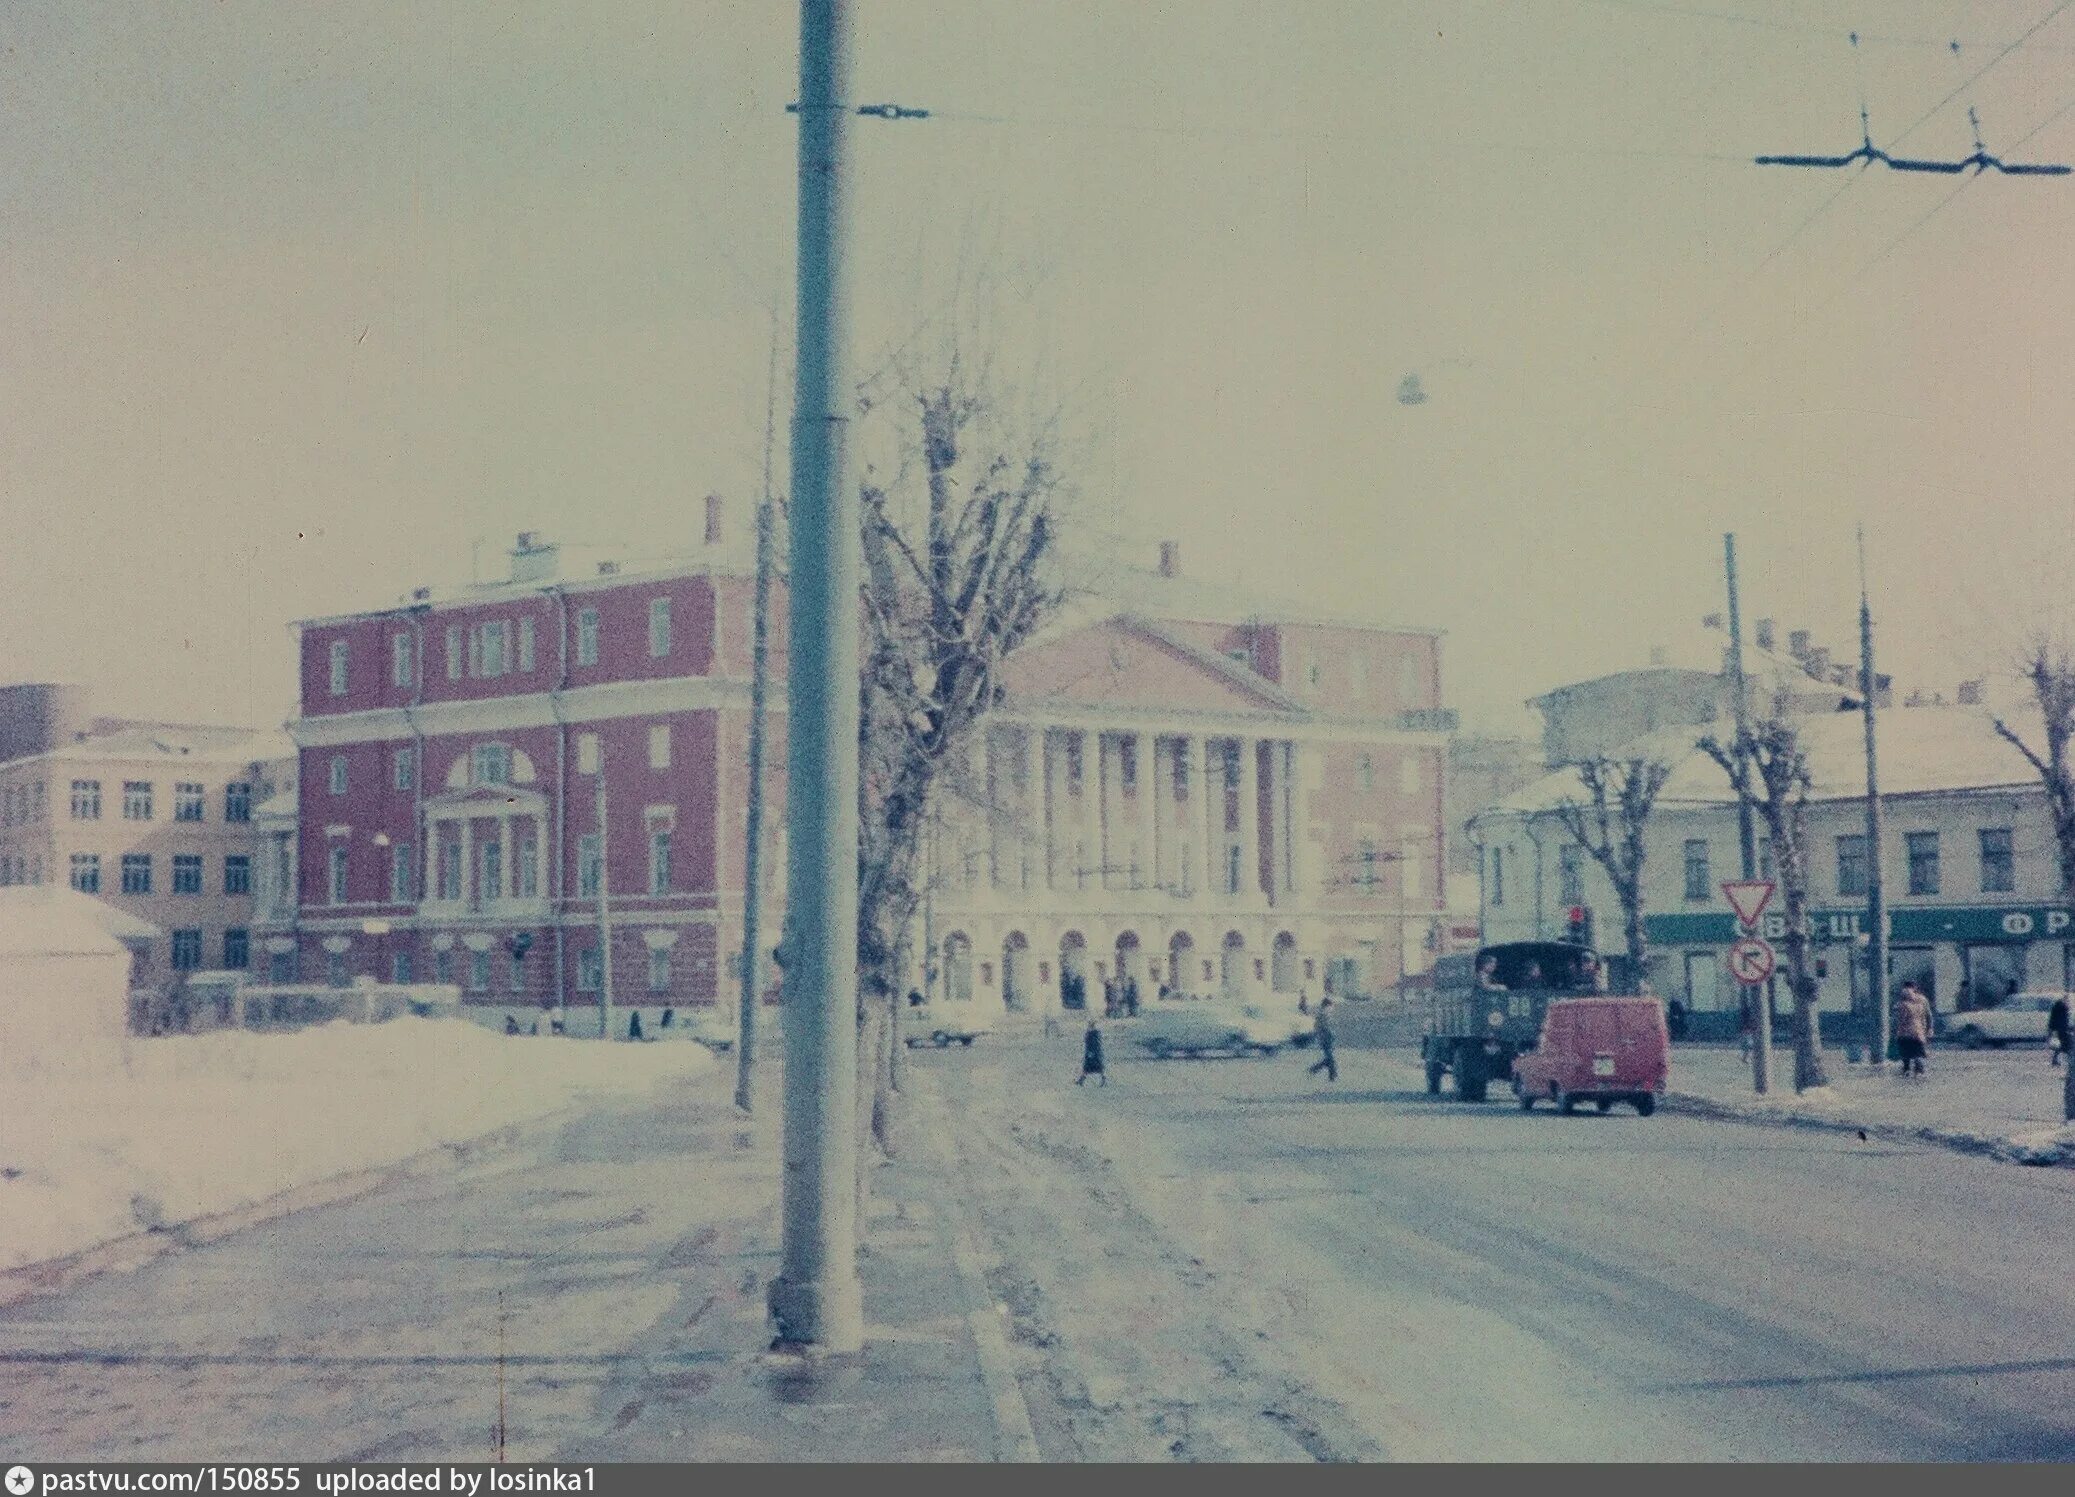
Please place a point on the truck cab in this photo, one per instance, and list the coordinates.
(1479, 1026)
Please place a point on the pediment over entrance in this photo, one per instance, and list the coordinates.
(1125, 662)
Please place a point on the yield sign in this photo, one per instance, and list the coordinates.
(1749, 898)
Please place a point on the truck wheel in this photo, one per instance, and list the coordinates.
(1645, 1105)
(1605, 1105)
(1527, 1098)
(1566, 1104)
(1470, 1080)
(1973, 1038)
(966, 1040)
(1435, 1071)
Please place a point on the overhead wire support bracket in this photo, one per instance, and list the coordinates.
(877, 111)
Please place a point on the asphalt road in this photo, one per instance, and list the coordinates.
(1432, 1279)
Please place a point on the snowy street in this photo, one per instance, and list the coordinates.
(1204, 1260)
(1224, 1256)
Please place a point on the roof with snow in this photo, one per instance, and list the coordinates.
(179, 741)
(51, 920)
(1923, 750)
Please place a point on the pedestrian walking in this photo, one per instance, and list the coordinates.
(634, 1026)
(1091, 1057)
(1131, 997)
(1912, 1028)
(2057, 1030)
(1322, 1029)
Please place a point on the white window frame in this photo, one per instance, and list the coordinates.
(587, 636)
(659, 969)
(526, 655)
(405, 769)
(659, 746)
(400, 872)
(339, 657)
(86, 800)
(86, 872)
(337, 873)
(658, 627)
(238, 863)
(400, 660)
(587, 753)
(590, 970)
(137, 799)
(190, 864)
(338, 774)
(659, 853)
(190, 795)
(588, 868)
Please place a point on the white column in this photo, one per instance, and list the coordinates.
(1089, 861)
(1031, 841)
(1249, 820)
(1056, 839)
(429, 889)
(1147, 773)
(540, 857)
(1210, 816)
(1160, 789)
(468, 857)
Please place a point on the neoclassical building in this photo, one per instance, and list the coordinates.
(536, 788)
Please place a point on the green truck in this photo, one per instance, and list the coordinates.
(1478, 1026)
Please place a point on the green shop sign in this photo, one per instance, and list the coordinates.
(1960, 923)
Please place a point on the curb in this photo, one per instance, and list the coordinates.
(123, 1254)
(1695, 1105)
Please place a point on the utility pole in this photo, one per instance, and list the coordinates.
(753, 858)
(604, 910)
(1876, 895)
(816, 1299)
(1753, 998)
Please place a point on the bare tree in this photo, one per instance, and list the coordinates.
(1769, 772)
(2049, 669)
(956, 579)
(1610, 825)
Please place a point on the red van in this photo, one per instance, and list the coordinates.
(1598, 1050)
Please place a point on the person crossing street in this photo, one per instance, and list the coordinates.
(1322, 1028)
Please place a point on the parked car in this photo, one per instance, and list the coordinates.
(1217, 1026)
(1597, 1050)
(940, 1024)
(711, 1024)
(2019, 1019)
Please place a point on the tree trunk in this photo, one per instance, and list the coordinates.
(1808, 1050)
(1632, 930)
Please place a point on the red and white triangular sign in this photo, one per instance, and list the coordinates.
(1749, 897)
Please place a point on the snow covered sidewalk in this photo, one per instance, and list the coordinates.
(2004, 1103)
(198, 1125)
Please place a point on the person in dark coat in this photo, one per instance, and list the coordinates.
(1322, 1029)
(1091, 1057)
(1131, 997)
(2057, 1030)
(634, 1026)
(1912, 1028)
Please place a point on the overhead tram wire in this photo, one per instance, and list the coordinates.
(1954, 45)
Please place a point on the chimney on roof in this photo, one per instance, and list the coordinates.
(1970, 693)
(713, 517)
(1817, 663)
(1170, 559)
(1763, 638)
(533, 560)
(608, 568)
(1797, 643)
(421, 595)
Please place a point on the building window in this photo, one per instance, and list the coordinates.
(136, 873)
(1498, 875)
(587, 753)
(659, 746)
(526, 858)
(86, 872)
(453, 652)
(659, 860)
(587, 866)
(400, 873)
(588, 970)
(525, 645)
(399, 660)
(587, 636)
(237, 802)
(187, 801)
(335, 968)
(1697, 881)
(338, 667)
(237, 950)
(658, 627)
(1365, 863)
(443, 968)
(490, 860)
(489, 649)
(1127, 766)
(450, 872)
(1570, 875)
(403, 968)
(338, 774)
(336, 887)
(1853, 874)
(136, 800)
(86, 800)
(1073, 765)
(1998, 867)
(479, 971)
(405, 776)
(1923, 862)
(492, 764)
(187, 873)
(659, 970)
(187, 950)
(237, 873)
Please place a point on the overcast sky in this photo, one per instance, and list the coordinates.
(299, 304)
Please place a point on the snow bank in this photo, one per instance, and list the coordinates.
(193, 1125)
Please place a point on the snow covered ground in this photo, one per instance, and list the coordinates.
(200, 1124)
(2003, 1102)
